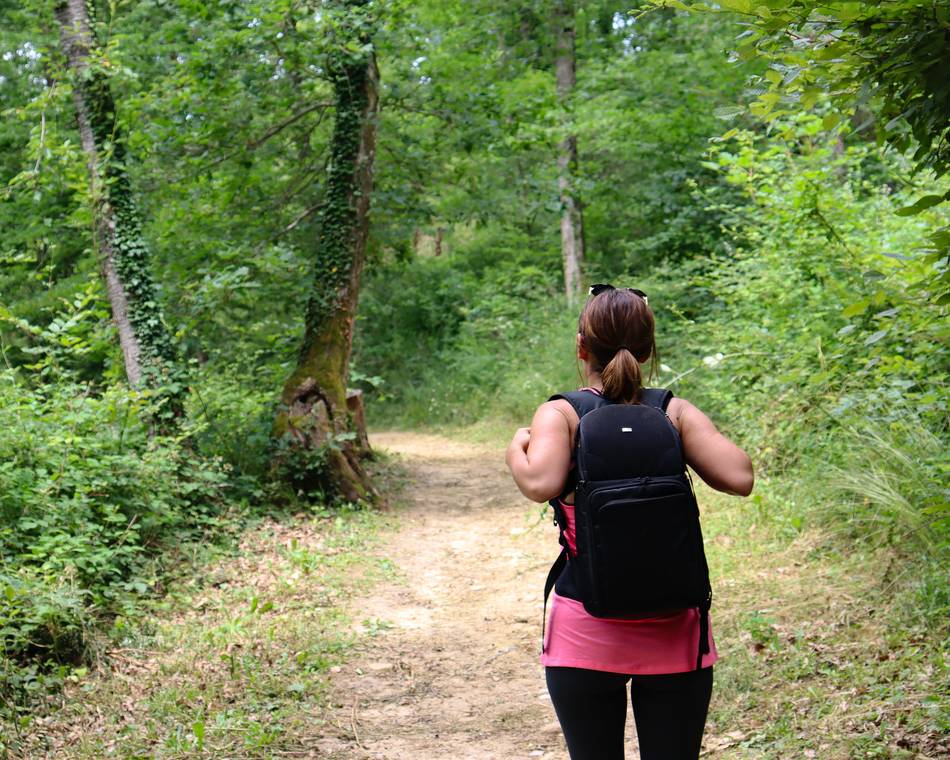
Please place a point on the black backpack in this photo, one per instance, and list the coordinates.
(639, 544)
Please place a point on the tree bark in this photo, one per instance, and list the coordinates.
(317, 445)
(147, 348)
(572, 218)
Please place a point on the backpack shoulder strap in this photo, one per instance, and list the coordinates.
(658, 398)
(553, 574)
(583, 401)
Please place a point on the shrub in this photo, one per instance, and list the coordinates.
(87, 500)
(819, 347)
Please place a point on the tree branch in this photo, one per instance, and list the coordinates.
(269, 133)
(309, 212)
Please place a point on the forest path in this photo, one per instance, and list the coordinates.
(451, 666)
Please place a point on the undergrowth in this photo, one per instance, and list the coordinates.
(232, 661)
(826, 651)
(90, 509)
(99, 515)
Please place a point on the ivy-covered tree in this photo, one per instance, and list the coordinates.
(147, 347)
(317, 444)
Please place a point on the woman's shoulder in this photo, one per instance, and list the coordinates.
(678, 409)
(557, 406)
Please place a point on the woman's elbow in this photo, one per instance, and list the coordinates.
(538, 490)
(745, 488)
(745, 481)
(735, 480)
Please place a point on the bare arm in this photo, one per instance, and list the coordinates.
(539, 457)
(716, 459)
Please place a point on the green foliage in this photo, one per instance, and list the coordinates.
(889, 56)
(235, 407)
(76, 335)
(44, 615)
(87, 500)
(644, 116)
(819, 329)
(886, 59)
(44, 223)
(475, 353)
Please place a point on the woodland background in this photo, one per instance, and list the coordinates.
(770, 172)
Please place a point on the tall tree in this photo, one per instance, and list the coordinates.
(313, 420)
(572, 217)
(147, 347)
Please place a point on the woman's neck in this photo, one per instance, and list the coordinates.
(594, 380)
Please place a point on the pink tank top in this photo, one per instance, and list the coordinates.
(576, 639)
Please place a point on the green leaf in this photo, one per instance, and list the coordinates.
(831, 120)
(198, 727)
(739, 6)
(858, 307)
(727, 113)
(921, 204)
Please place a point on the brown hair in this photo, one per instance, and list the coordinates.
(616, 329)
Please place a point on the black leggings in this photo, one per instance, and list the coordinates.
(670, 712)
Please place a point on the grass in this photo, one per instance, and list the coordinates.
(820, 655)
(234, 661)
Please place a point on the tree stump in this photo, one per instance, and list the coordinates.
(354, 405)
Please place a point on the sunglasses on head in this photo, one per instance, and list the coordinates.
(596, 290)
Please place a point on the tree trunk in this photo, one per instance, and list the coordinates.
(317, 446)
(572, 218)
(123, 254)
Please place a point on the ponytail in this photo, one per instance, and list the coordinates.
(616, 328)
(622, 378)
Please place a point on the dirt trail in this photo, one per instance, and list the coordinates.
(451, 670)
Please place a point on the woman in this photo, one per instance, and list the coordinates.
(588, 661)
